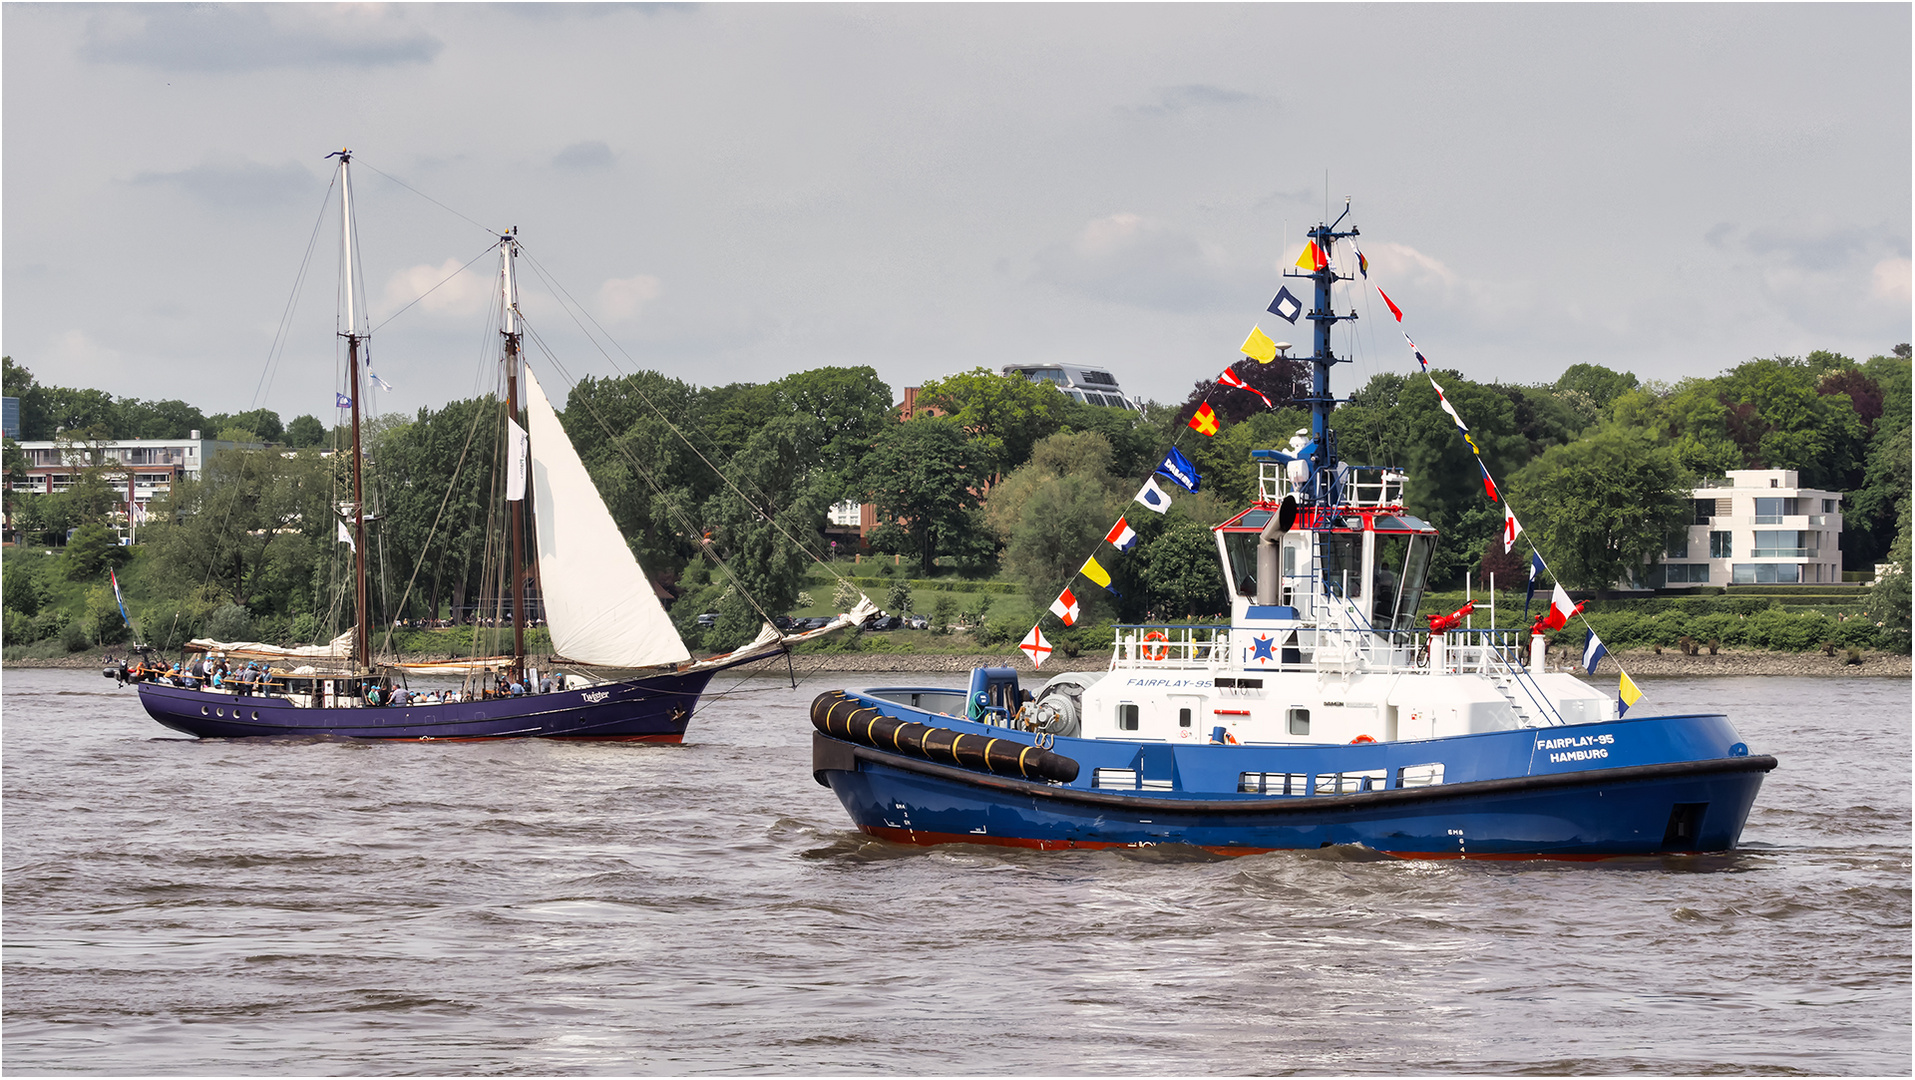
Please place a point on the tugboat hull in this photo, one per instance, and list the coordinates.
(1670, 784)
(1598, 814)
(654, 709)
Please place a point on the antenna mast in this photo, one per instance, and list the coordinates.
(1323, 466)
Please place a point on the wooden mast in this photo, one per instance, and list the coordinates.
(362, 644)
(515, 508)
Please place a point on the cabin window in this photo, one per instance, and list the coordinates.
(1299, 721)
(1402, 565)
(1183, 717)
(1343, 561)
(1127, 717)
(1241, 547)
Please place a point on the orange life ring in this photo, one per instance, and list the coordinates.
(1361, 739)
(1155, 652)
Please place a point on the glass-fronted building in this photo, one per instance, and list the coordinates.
(1755, 527)
(1090, 385)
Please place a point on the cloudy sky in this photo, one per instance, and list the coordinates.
(738, 191)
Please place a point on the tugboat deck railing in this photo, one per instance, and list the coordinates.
(1218, 648)
(1356, 485)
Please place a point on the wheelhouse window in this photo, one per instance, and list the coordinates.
(1343, 563)
(1402, 569)
(1240, 545)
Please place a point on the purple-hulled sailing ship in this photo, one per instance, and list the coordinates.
(621, 670)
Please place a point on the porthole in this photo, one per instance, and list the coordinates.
(255, 714)
(221, 712)
(203, 712)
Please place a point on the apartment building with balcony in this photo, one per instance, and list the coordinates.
(142, 468)
(1754, 527)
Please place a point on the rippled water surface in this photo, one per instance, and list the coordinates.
(174, 906)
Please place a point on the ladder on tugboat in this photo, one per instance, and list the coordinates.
(1525, 698)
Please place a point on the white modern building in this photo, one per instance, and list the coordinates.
(1756, 527)
(141, 468)
(1090, 385)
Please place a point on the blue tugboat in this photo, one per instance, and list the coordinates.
(1319, 716)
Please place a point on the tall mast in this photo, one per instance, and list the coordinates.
(1322, 401)
(515, 509)
(362, 645)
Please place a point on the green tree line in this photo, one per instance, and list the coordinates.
(722, 491)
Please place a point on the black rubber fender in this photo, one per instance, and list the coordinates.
(842, 717)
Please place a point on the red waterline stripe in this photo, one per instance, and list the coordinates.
(926, 839)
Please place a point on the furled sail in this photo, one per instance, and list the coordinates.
(598, 604)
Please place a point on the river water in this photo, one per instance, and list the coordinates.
(174, 906)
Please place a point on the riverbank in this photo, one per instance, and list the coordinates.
(1635, 661)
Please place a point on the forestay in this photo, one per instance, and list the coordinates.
(598, 603)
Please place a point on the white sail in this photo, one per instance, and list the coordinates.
(598, 604)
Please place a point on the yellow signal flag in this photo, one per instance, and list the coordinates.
(1258, 346)
(1311, 259)
(1096, 573)
(1627, 691)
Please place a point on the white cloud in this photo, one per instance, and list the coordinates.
(623, 299)
(1127, 258)
(1401, 263)
(1891, 281)
(466, 293)
(75, 350)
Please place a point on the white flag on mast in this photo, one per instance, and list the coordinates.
(515, 462)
